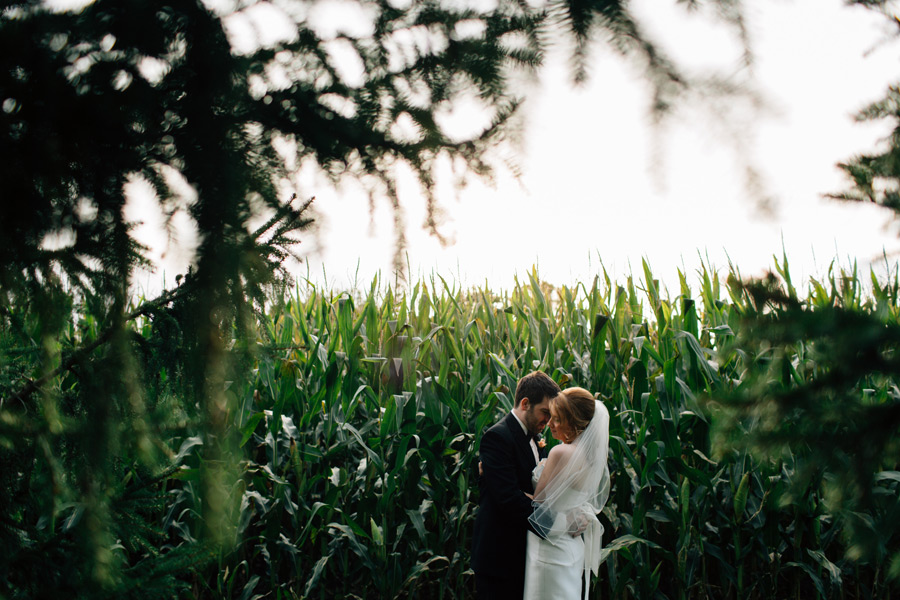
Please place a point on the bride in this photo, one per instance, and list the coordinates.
(572, 486)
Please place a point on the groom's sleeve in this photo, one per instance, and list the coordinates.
(498, 461)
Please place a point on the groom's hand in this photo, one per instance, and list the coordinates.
(577, 521)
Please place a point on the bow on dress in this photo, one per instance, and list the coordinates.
(593, 537)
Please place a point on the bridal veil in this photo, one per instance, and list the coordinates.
(568, 503)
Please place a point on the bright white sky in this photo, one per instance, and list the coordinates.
(599, 185)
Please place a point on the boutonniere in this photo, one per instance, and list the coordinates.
(541, 442)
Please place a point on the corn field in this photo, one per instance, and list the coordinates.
(346, 463)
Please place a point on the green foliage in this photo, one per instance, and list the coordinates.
(820, 387)
(228, 438)
(350, 452)
(93, 389)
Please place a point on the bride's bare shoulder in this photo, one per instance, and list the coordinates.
(561, 450)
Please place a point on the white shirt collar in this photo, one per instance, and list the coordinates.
(521, 424)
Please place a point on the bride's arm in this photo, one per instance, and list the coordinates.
(556, 460)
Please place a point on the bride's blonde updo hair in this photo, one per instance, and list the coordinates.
(575, 407)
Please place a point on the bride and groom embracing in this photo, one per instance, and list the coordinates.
(536, 532)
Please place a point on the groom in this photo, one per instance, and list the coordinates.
(509, 453)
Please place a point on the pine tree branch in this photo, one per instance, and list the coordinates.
(164, 474)
(82, 353)
(290, 219)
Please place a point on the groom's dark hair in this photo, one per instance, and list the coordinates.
(536, 386)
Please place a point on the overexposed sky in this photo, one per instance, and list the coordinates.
(600, 184)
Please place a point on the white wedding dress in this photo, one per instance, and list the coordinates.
(559, 566)
(553, 567)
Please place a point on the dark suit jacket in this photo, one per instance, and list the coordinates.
(501, 525)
